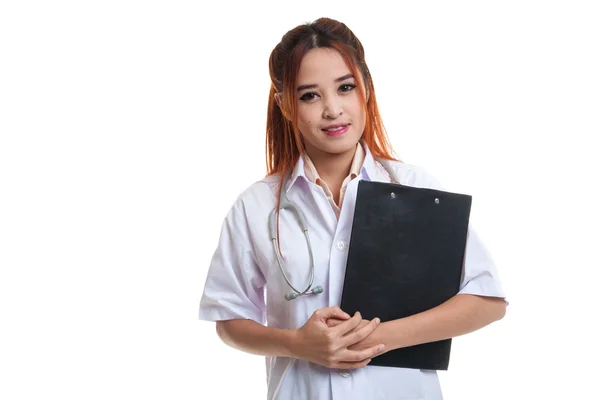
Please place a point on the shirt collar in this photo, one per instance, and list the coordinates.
(311, 173)
(363, 166)
(357, 161)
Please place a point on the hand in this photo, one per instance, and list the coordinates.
(371, 340)
(329, 346)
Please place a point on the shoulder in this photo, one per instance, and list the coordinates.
(258, 197)
(411, 174)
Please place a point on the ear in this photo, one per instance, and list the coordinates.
(279, 102)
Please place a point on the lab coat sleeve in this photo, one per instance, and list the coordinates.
(234, 287)
(480, 276)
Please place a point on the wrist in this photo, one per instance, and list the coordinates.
(290, 342)
(390, 335)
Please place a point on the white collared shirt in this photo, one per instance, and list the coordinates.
(244, 281)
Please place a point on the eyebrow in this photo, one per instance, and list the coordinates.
(343, 78)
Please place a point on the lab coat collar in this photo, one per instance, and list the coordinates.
(369, 170)
(297, 172)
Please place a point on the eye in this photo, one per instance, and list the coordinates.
(347, 87)
(308, 96)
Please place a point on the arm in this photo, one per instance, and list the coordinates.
(251, 337)
(462, 314)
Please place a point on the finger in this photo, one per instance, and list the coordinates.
(356, 365)
(331, 312)
(363, 323)
(354, 356)
(348, 326)
(360, 334)
(331, 322)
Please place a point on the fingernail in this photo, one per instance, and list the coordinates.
(346, 315)
(381, 347)
(377, 320)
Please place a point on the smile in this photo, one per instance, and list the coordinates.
(336, 130)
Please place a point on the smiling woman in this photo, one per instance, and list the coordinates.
(324, 134)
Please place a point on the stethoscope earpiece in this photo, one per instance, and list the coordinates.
(318, 289)
(292, 295)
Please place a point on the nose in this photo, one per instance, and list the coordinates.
(333, 108)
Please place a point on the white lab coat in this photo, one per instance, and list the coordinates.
(244, 281)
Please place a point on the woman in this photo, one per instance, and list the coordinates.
(324, 134)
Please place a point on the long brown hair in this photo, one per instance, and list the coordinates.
(283, 141)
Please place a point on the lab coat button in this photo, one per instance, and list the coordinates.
(341, 245)
(344, 373)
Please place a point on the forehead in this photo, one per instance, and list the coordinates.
(322, 65)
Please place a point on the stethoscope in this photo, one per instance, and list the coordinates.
(285, 203)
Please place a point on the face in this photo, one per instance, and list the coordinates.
(331, 118)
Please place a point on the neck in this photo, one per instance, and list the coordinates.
(332, 168)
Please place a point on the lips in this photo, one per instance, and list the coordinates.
(336, 130)
(333, 128)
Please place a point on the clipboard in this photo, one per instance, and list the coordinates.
(406, 256)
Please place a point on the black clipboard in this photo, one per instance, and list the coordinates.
(406, 256)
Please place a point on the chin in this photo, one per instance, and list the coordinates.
(333, 145)
(342, 147)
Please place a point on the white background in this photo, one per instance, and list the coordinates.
(128, 128)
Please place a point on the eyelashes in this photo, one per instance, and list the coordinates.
(308, 96)
(349, 86)
(345, 88)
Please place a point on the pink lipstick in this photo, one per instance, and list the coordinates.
(336, 130)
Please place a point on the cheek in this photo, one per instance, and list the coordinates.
(356, 108)
(358, 113)
(306, 120)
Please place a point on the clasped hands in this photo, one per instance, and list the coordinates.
(334, 339)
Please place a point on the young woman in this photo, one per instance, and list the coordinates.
(324, 134)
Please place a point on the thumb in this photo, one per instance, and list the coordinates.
(331, 322)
